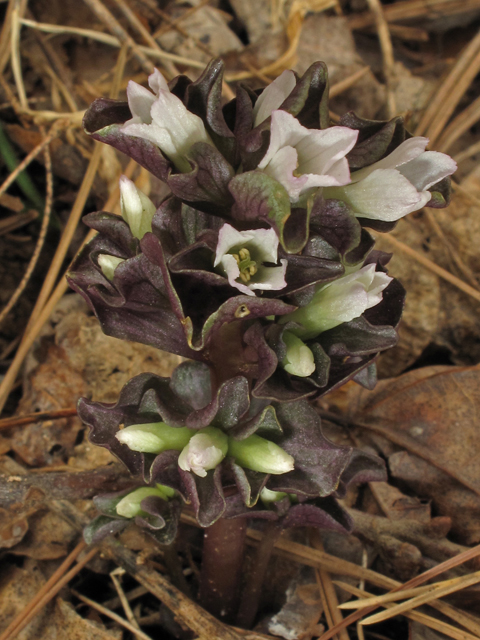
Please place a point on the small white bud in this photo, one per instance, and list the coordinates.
(204, 451)
(137, 209)
(108, 264)
(154, 437)
(267, 496)
(129, 505)
(299, 358)
(258, 454)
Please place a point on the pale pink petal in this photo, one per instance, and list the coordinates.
(273, 96)
(428, 169)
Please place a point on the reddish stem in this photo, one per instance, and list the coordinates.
(223, 549)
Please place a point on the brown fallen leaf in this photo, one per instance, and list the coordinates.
(49, 537)
(432, 413)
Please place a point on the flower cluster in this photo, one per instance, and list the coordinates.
(260, 270)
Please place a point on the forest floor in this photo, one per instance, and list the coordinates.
(416, 58)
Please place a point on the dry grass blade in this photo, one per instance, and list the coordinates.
(451, 586)
(123, 599)
(446, 275)
(18, 220)
(470, 151)
(40, 241)
(327, 591)
(387, 52)
(119, 32)
(197, 619)
(17, 13)
(52, 275)
(49, 590)
(54, 132)
(17, 421)
(110, 614)
(5, 36)
(428, 621)
(415, 9)
(459, 125)
(112, 41)
(450, 91)
(339, 87)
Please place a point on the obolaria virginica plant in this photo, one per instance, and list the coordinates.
(260, 270)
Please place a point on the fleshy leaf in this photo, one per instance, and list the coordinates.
(206, 495)
(260, 197)
(206, 185)
(103, 526)
(103, 121)
(376, 139)
(308, 102)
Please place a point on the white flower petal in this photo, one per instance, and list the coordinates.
(204, 451)
(270, 278)
(173, 128)
(108, 264)
(428, 169)
(140, 101)
(228, 238)
(383, 195)
(137, 209)
(264, 243)
(273, 96)
(285, 130)
(321, 149)
(230, 268)
(157, 82)
(405, 152)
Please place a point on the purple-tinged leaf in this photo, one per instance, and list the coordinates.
(376, 139)
(206, 186)
(206, 495)
(103, 121)
(101, 527)
(308, 102)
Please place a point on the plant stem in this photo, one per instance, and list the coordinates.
(223, 549)
(253, 587)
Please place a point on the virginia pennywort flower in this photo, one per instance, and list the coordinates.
(248, 259)
(301, 158)
(204, 451)
(164, 120)
(339, 301)
(396, 185)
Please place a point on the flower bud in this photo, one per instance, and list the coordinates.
(108, 264)
(267, 496)
(339, 301)
(137, 209)
(299, 358)
(204, 451)
(129, 505)
(154, 437)
(258, 454)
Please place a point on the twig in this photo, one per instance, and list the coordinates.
(45, 599)
(5, 36)
(138, 633)
(40, 241)
(123, 599)
(387, 53)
